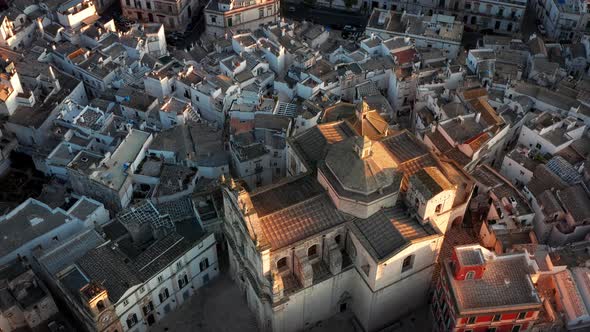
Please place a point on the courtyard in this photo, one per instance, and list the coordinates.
(217, 307)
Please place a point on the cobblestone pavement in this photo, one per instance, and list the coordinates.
(217, 307)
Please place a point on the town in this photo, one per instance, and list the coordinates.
(257, 165)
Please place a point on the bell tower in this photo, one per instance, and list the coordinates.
(100, 307)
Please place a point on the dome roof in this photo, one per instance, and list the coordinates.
(362, 166)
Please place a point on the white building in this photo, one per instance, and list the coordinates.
(519, 164)
(549, 134)
(563, 20)
(108, 177)
(435, 31)
(119, 285)
(72, 13)
(16, 29)
(225, 15)
(34, 224)
(174, 15)
(298, 259)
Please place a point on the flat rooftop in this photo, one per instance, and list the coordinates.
(113, 171)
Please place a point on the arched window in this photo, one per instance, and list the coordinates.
(100, 305)
(282, 264)
(312, 251)
(337, 239)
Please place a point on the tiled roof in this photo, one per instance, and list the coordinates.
(505, 282)
(389, 230)
(56, 259)
(429, 181)
(105, 265)
(576, 202)
(404, 147)
(299, 221)
(312, 143)
(544, 179)
(159, 255)
(282, 196)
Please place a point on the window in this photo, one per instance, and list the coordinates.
(148, 5)
(148, 308)
(160, 278)
(131, 320)
(407, 264)
(261, 13)
(229, 22)
(142, 289)
(183, 281)
(538, 146)
(282, 264)
(471, 320)
(521, 315)
(128, 3)
(164, 294)
(470, 275)
(497, 318)
(213, 19)
(516, 328)
(312, 251)
(366, 268)
(337, 239)
(100, 306)
(438, 208)
(204, 264)
(178, 264)
(126, 302)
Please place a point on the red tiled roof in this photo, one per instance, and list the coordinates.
(405, 56)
